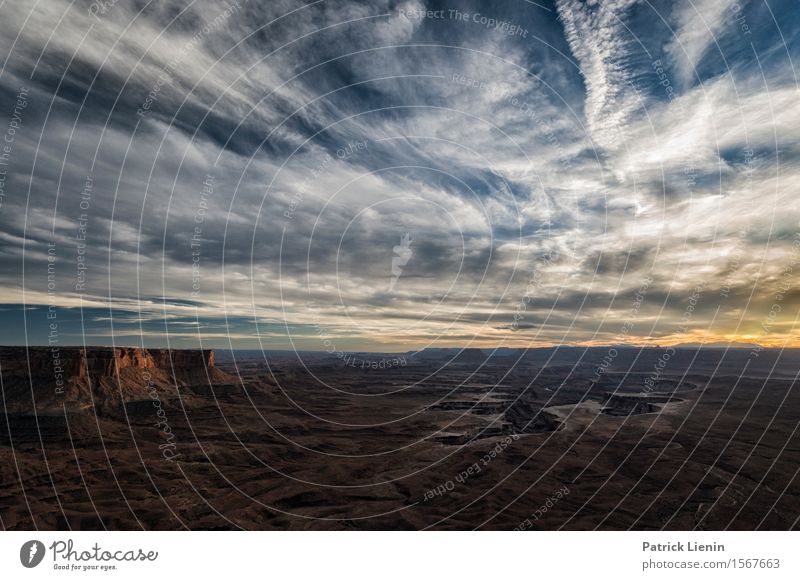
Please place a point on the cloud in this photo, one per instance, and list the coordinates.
(600, 41)
(553, 170)
(699, 26)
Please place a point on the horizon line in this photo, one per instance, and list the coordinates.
(715, 346)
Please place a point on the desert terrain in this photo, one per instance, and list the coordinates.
(515, 439)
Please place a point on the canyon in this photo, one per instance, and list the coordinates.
(278, 440)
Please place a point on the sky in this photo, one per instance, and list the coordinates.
(388, 176)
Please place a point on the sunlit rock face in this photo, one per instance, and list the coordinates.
(71, 379)
(106, 361)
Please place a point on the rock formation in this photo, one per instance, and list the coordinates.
(49, 380)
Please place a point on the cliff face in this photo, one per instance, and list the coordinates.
(77, 361)
(43, 379)
(106, 361)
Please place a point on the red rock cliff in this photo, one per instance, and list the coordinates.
(44, 378)
(107, 361)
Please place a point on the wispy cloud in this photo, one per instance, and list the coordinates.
(698, 28)
(561, 169)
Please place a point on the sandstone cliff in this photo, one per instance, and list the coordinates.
(48, 380)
